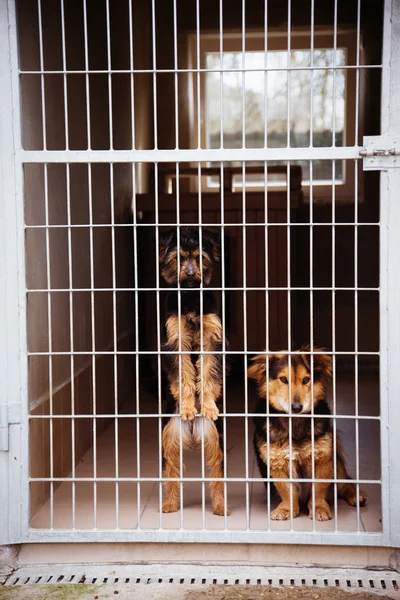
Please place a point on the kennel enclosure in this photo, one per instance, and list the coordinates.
(278, 127)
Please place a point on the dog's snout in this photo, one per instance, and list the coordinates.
(297, 407)
(190, 271)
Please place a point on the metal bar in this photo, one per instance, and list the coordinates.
(14, 464)
(215, 289)
(192, 70)
(199, 479)
(93, 342)
(236, 224)
(87, 83)
(132, 78)
(50, 345)
(115, 343)
(71, 345)
(233, 352)
(222, 414)
(254, 536)
(191, 155)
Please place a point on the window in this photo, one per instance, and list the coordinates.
(298, 99)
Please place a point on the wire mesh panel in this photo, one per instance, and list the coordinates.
(203, 287)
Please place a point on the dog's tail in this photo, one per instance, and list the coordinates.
(347, 490)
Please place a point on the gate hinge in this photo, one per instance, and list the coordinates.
(380, 152)
(9, 414)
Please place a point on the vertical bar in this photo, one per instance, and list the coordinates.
(85, 34)
(311, 265)
(64, 63)
(221, 78)
(312, 342)
(246, 382)
(267, 342)
(389, 263)
(266, 258)
(312, 75)
(154, 49)
(243, 76)
(289, 311)
(223, 314)
(178, 245)
(137, 382)
(132, 80)
(15, 488)
(334, 74)
(356, 358)
(93, 325)
(71, 344)
(115, 346)
(49, 325)
(198, 65)
(265, 87)
(42, 85)
(176, 77)
(203, 500)
(288, 266)
(334, 390)
(110, 112)
(334, 374)
(158, 318)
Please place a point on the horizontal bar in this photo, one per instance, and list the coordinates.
(221, 414)
(237, 536)
(199, 480)
(220, 225)
(190, 353)
(195, 155)
(198, 70)
(208, 289)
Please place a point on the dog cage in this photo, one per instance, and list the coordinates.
(124, 120)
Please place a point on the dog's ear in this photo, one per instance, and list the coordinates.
(165, 240)
(212, 243)
(258, 368)
(322, 362)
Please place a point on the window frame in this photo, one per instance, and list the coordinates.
(278, 40)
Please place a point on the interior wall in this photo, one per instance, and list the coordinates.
(92, 381)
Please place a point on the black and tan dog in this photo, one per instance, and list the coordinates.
(277, 452)
(194, 380)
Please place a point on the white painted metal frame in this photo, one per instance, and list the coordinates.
(14, 496)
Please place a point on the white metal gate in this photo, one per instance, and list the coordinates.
(17, 416)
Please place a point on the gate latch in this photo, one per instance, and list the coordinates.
(380, 152)
(3, 427)
(10, 414)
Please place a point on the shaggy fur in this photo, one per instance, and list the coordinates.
(194, 380)
(274, 458)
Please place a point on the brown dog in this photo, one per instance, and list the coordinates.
(274, 460)
(194, 380)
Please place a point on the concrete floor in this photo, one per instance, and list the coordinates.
(138, 506)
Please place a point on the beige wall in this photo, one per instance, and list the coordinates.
(35, 211)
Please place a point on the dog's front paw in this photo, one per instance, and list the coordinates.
(322, 512)
(170, 507)
(210, 412)
(350, 495)
(282, 513)
(220, 510)
(188, 413)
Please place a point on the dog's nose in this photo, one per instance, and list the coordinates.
(190, 270)
(297, 407)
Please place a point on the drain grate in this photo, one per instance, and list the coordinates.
(379, 582)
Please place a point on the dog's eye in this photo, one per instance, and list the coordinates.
(283, 379)
(306, 380)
